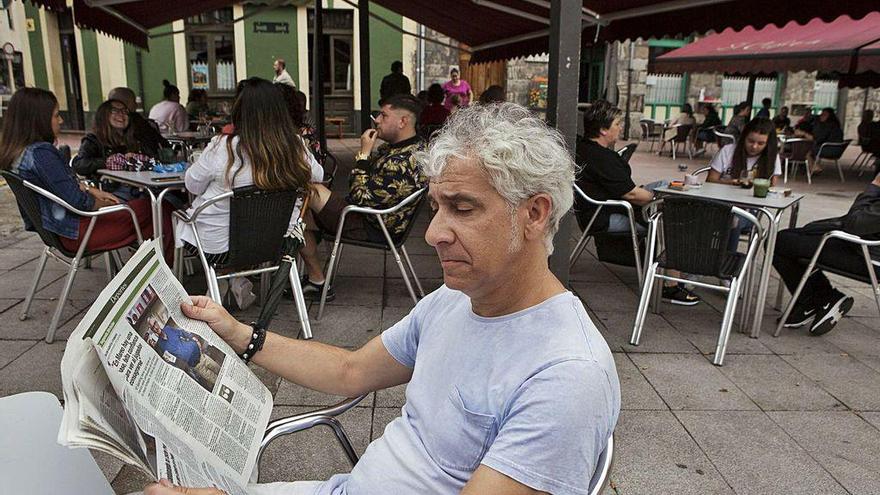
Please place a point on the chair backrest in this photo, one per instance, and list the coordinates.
(627, 151)
(723, 138)
(683, 132)
(258, 220)
(330, 165)
(29, 206)
(695, 233)
(833, 151)
(797, 149)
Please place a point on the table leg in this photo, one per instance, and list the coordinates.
(792, 223)
(765, 275)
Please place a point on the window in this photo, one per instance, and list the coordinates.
(210, 51)
(11, 72)
(336, 43)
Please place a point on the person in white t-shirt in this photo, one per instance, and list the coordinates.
(273, 157)
(169, 113)
(755, 151)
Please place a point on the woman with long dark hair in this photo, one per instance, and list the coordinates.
(169, 113)
(112, 139)
(826, 129)
(30, 127)
(296, 107)
(755, 151)
(273, 157)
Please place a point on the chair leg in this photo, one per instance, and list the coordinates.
(872, 275)
(839, 170)
(412, 271)
(578, 249)
(809, 173)
(41, 265)
(300, 300)
(328, 277)
(794, 296)
(406, 281)
(727, 322)
(62, 299)
(108, 266)
(644, 300)
(673, 146)
(213, 285)
(785, 172)
(339, 432)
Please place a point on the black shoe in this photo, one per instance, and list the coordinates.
(828, 314)
(312, 291)
(798, 317)
(679, 294)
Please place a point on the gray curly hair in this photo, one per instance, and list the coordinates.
(520, 153)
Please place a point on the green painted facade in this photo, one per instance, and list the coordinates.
(263, 48)
(386, 46)
(92, 64)
(157, 64)
(35, 40)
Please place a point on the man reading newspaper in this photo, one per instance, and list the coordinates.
(511, 387)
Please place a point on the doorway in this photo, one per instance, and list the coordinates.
(73, 116)
(337, 73)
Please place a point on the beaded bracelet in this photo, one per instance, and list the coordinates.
(258, 337)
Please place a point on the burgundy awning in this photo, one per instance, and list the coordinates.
(869, 58)
(816, 45)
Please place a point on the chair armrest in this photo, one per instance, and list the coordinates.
(846, 236)
(300, 422)
(374, 211)
(195, 214)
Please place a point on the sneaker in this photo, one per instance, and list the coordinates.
(798, 317)
(312, 291)
(679, 294)
(830, 313)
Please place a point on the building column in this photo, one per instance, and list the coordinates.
(302, 49)
(364, 61)
(239, 40)
(181, 68)
(562, 94)
(317, 61)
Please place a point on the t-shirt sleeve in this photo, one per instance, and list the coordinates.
(402, 339)
(721, 160)
(613, 176)
(556, 426)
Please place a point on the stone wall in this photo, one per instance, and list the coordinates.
(854, 101)
(635, 97)
(438, 58)
(520, 73)
(799, 88)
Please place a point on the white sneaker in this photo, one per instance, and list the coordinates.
(242, 291)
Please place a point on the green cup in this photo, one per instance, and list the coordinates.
(762, 186)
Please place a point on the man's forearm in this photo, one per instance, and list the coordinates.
(313, 365)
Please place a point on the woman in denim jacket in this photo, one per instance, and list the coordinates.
(30, 126)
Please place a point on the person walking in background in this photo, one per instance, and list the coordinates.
(765, 108)
(456, 86)
(281, 75)
(169, 112)
(395, 83)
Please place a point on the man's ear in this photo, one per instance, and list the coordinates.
(539, 208)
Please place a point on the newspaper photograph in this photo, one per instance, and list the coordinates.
(162, 392)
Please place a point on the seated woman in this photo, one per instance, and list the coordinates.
(685, 117)
(272, 157)
(197, 104)
(754, 152)
(112, 140)
(434, 114)
(30, 126)
(826, 129)
(296, 106)
(169, 113)
(706, 130)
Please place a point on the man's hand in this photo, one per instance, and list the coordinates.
(368, 139)
(236, 334)
(103, 198)
(164, 487)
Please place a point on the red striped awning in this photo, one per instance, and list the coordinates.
(816, 45)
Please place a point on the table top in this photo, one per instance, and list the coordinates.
(148, 179)
(189, 136)
(735, 195)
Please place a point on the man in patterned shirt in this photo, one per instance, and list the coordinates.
(378, 180)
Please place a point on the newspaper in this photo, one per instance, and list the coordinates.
(158, 390)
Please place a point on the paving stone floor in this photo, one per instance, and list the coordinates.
(794, 414)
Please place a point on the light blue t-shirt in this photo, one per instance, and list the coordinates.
(533, 395)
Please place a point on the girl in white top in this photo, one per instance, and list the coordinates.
(264, 149)
(169, 112)
(756, 151)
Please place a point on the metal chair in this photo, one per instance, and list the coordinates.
(330, 166)
(627, 151)
(414, 200)
(795, 151)
(871, 264)
(723, 139)
(650, 132)
(27, 196)
(682, 135)
(258, 221)
(833, 152)
(611, 203)
(327, 417)
(695, 233)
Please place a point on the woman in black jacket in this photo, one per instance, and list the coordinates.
(112, 138)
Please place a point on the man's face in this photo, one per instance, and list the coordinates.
(473, 230)
(783, 112)
(391, 122)
(612, 133)
(277, 66)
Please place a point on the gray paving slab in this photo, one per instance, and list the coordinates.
(393, 397)
(755, 455)
(39, 317)
(589, 269)
(657, 334)
(12, 349)
(314, 454)
(397, 296)
(291, 394)
(799, 340)
(426, 266)
(842, 376)
(606, 295)
(701, 327)
(361, 263)
(346, 326)
(775, 385)
(655, 454)
(872, 417)
(15, 283)
(688, 381)
(635, 391)
(6, 304)
(843, 443)
(38, 368)
(14, 257)
(357, 291)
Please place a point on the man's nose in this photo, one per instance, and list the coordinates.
(438, 231)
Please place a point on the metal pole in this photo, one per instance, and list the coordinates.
(317, 73)
(562, 93)
(629, 78)
(364, 40)
(750, 97)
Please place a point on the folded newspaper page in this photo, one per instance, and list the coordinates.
(158, 390)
